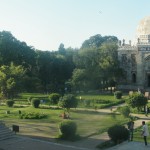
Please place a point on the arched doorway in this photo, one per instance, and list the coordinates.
(133, 78)
(148, 80)
(147, 70)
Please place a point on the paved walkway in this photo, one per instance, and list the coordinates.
(24, 143)
(130, 146)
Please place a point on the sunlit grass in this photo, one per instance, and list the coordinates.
(88, 122)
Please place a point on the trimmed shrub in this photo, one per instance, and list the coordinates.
(118, 133)
(67, 130)
(68, 101)
(19, 111)
(32, 115)
(125, 111)
(30, 99)
(54, 98)
(10, 103)
(35, 102)
(137, 100)
(87, 103)
(118, 94)
(8, 112)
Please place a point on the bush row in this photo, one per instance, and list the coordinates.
(32, 115)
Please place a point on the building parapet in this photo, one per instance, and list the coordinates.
(127, 47)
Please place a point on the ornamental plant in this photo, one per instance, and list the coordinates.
(67, 130)
(35, 102)
(118, 94)
(118, 133)
(54, 98)
(137, 100)
(68, 101)
(10, 103)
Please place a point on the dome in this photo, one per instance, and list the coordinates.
(144, 27)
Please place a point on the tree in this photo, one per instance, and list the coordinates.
(53, 70)
(68, 101)
(11, 78)
(109, 63)
(124, 110)
(97, 40)
(137, 100)
(13, 50)
(99, 60)
(78, 79)
(61, 49)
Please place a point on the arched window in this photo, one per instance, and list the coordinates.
(134, 78)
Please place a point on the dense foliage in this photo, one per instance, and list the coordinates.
(10, 103)
(35, 102)
(32, 115)
(67, 130)
(93, 66)
(97, 65)
(118, 94)
(118, 133)
(11, 78)
(124, 110)
(137, 100)
(68, 101)
(54, 98)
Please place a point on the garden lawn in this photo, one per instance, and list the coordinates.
(99, 100)
(88, 122)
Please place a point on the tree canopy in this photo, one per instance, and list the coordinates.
(11, 78)
(93, 66)
(97, 64)
(137, 100)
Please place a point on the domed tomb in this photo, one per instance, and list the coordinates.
(144, 26)
(143, 30)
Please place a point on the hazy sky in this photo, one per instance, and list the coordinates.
(44, 24)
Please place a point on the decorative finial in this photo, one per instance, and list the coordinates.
(123, 42)
(130, 42)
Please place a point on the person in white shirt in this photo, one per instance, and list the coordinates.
(145, 132)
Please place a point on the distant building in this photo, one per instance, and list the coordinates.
(135, 60)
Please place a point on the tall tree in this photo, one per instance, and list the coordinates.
(12, 50)
(11, 78)
(97, 40)
(61, 49)
(109, 63)
(98, 58)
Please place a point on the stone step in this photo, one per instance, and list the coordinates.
(5, 132)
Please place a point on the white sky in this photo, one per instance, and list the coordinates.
(44, 24)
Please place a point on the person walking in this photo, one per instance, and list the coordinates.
(146, 111)
(145, 132)
(130, 129)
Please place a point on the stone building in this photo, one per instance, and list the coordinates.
(135, 60)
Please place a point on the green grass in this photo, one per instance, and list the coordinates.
(99, 100)
(97, 96)
(25, 96)
(85, 100)
(88, 122)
